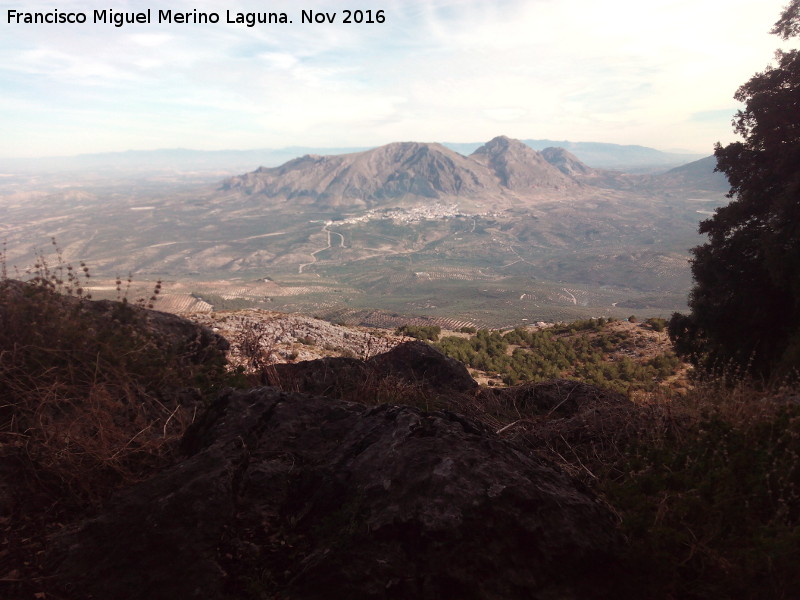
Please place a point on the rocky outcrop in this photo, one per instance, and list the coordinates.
(287, 336)
(419, 362)
(415, 363)
(520, 168)
(304, 497)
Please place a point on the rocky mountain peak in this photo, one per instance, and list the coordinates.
(565, 161)
(408, 172)
(519, 167)
(502, 143)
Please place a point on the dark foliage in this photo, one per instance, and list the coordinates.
(746, 300)
(708, 497)
(576, 350)
(420, 332)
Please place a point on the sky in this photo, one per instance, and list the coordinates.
(657, 73)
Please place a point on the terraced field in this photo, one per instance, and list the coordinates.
(609, 253)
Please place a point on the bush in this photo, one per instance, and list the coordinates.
(745, 303)
(93, 397)
(708, 496)
(560, 352)
(657, 324)
(420, 332)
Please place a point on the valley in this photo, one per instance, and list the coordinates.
(403, 233)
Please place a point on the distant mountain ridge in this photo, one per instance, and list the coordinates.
(503, 235)
(699, 174)
(504, 172)
(501, 168)
(593, 154)
(601, 155)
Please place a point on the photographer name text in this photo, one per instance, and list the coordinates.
(193, 17)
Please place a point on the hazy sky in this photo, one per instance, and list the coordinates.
(659, 73)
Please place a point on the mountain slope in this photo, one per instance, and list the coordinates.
(699, 175)
(519, 168)
(391, 172)
(565, 161)
(408, 172)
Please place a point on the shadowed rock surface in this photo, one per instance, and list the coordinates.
(412, 362)
(196, 343)
(285, 495)
(558, 397)
(419, 362)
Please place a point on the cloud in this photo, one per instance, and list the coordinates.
(505, 114)
(654, 73)
(150, 40)
(713, 116)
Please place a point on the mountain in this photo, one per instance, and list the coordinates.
(566, 162)
(699, 175)
(392, 172)
(504, 171)
(520, 168)
(502, 236)
(599, 155)
(407, 172)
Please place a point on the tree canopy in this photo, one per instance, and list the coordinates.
(746, 300)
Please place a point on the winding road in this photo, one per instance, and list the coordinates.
(325, 228)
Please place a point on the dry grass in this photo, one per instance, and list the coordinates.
(90, 401)
(707, 487)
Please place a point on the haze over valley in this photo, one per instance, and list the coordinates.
(500, 236)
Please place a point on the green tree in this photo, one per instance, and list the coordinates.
(745, 305)
(420, 332)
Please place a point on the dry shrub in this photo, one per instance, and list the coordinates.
(93, 397)
(256, 342)
(89, 401)
(706, 484)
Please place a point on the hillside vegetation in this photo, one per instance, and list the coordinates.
(598, 351)
(705, 482)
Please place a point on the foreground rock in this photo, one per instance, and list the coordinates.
(194, 342)
(410, 363)
(285, 495)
